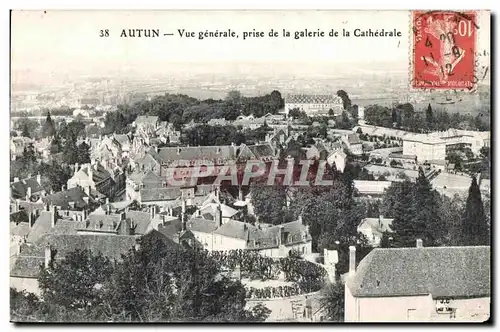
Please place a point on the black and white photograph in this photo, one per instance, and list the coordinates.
(250, 166)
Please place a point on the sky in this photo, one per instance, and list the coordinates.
(57, 42)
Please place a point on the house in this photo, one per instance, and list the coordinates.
(425, 148)
(70, 202)
(371, 188)
(274, 241)
(339, 158)
(148, 123)
(314, 105)
(27, 189)
(373, 228)
(353, 143)
(249, 122)
(95, 177)
(31, 256)
(419, 284)
(263, 152)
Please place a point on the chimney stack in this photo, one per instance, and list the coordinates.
(30, 219)
(300, 220)
(240, 194)
(90, 173)
(183, 206)
(279, 237)
(53, 215)
(39, 179)
(19, 247)
(76, 167)
(420, 243)
(48, 255)
(352, 260)
(18, 201)
(153, 211)
(218, 216)
(137, 247)
(380, 218)
(28, 193)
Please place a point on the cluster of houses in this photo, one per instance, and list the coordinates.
(123, 194)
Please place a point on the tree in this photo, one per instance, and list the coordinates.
(233, 96)
(75, 281)
(269, 202)
(474, 230)
(48, 129)
(346, 101)
(83, 153)
(70, 152)
(429, 117)
(332, 302)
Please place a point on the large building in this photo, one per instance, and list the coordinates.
(314, 104)
(419, 284)
(424, 148)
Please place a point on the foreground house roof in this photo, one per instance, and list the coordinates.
(458, 272)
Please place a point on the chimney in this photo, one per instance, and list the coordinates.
(30, 219)
(183, 206)
(90, 173)
(16, 179)
(28, 193)
(53, 216)
(218, 216)
(178, 151)
(240, 194)
(87, 188)
(300, 220)
(17, 204)
(108, 209)
(420, 243)
(169, 211)
(352, 260)
(153, 211)
(19, 247)
(86, 199)
(137, 247)
(107, 200)
(380, 218)
(48, 255)
(76, 167)
(39, 179)
(280, 235)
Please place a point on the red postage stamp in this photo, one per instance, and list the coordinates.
(443, 54)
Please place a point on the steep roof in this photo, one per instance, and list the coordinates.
(146, 119)
(43, 226)
(262, 150)
(197, 153)
(140, 220)
(460, 272)
(63, 198)
(20, 188)
(353, 139)
(33, 255)
(160, 194)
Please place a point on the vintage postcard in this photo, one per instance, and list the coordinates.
(250, 166)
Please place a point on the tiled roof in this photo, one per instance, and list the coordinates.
(43, 225)
(170, 227)
(146, 119)
(140, 220)
(313, 99)
(197, 153)
(457, 272)
(227, 211)
(20, 188)
(63, 198)
(353, 139)
(202, 225)
(262, 150)
(234, 229)
(98, 175)
(160, 194)
(32, 256)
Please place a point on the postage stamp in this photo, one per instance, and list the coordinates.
(444, 48)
